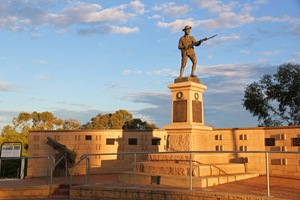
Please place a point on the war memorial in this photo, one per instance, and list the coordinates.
(184, 155)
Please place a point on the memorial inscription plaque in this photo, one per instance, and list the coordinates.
(197, 111)
(180, 111)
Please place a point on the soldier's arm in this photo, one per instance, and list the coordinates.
(180, 45)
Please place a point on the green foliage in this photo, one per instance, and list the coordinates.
(9, 134)
(121, 119)
(26, 122)
(138, 124)
(10, 168)
(71, 124)
(43, 121)
(37, 121)
(109, 121)
(275, 100)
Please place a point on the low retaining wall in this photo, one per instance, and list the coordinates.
(34, 192)
(120, 193)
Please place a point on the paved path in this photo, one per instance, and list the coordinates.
(280, 187)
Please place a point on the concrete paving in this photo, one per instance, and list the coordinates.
(282, 187)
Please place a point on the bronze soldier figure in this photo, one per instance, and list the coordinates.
(186, 45)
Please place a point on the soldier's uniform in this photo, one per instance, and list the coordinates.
(186, 45)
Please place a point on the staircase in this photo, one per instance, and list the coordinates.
(174, 170)
(62, 192)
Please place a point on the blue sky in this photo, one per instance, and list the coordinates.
(80, 58)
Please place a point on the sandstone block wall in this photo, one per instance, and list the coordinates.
(112, 141)
(94, 142)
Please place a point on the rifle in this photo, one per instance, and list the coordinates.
(200, 41)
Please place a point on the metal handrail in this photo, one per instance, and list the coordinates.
(77, 163)
(37, 157)
(86, 156)
(52, 171)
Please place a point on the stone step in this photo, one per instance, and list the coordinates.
(203, 158)
(59, 197)
(181, 181)
(62, 192)
(184, 169)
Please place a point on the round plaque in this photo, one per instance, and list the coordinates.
(179, 95)
(196, 95)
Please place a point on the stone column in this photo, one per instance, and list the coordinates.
(187, 131)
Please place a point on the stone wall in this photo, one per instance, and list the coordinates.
(284, 140)
(104, 193)
(94, 142)
(220, 139)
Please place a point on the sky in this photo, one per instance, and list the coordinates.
(77, 59)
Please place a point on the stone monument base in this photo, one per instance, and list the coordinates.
(185, 137)
(187, 131)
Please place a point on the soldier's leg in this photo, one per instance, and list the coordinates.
(183, 64)
(194, 61)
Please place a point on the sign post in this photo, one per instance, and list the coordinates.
(12, 150)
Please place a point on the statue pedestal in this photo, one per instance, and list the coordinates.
(187, 131)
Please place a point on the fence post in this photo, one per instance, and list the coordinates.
(51, 181)
(134, 169)
(267, 174)
(191, 172)
(87, 170)
(66, 168)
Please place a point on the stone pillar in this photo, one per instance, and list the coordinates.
(187, 131)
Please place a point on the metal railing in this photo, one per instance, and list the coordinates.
(87, 157)
(51, 168)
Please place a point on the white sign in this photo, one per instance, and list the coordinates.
(10, 150)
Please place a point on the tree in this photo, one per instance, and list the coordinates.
(121, 119)
(19, 132)
(98, 122)
(109, 121)
(71, 124)
(138, 124)
(275, 99)
(9, 134)
(43, 121)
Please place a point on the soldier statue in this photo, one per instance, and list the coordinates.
(186, 45)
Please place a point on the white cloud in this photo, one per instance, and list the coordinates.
(261, 1)
(170, 8)
(138, 7)
(42, 77)
(271, 53)
(29, 15)
(89, 13)
(122, 30)
(215, 6)
(227, 20)
(228, 38)
(224, 20)
(6, 87)
(163, 72)
(80, 105)
(228, 72)
(128, 72)
(244, 51)
(178, 24)
(155, 17)
(39, 61)
(107, 29)
(288, 19)
(296, 54)
(262, 60)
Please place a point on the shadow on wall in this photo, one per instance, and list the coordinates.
(131, 141)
